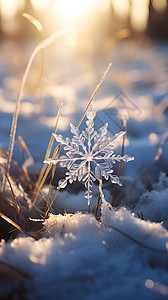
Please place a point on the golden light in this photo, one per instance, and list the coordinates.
(160, 6)
(139, 14)
(121, 8)
(34, 21)
(149, 284)
(9, 10)
(153, 138)
(40, 5)
(74, 9)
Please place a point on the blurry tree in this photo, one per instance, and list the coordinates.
(158, 21)
(12, 24)
(122, 14)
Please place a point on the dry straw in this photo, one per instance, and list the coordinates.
(41, 46)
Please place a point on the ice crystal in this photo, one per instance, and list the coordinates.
(89, 155)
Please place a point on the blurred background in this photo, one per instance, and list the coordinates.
(96, 27)
(132, 34)
(99, 21)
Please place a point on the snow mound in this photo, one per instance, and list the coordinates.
(153, 206)
(80, 257)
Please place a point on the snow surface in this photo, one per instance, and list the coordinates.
(121, 256)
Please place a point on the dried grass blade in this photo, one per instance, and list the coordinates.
(95, 209)
(51, 203)
(42, 45)
(94, 94)
(5, 154)
(13, 224)
(160, 149)
(123, 144)
(46, 173)
(23, 145)
(52, 176)
(34, 21)
(49, 148)
(39, 27)
(121, 161)
(12, 191)
(12, 272)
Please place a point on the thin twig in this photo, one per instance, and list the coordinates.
(13, 194)
(94, 93)
(95, 209)
(121, 161)
(14, 224)
(46, 173)
(39, 28)
(22, 145)
(52, 176)
(51, 203)
(48, 149)
(21, 173)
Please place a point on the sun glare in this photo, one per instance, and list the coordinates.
(40, 5)
(9, 8)
(74, 9)
(121, 8)
(160, 5)
(139, 14)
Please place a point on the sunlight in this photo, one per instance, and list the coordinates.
(139, 14)
(40, 5)
(9, 10)
(121, 8)
(153, 138)
(74, 9)
(149, 283)
(34, 21)
(160, 5)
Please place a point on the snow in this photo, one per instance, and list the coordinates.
(120, 255)
(80, 257)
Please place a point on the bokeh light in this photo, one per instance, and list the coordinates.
(9, 10)
(139, 14)
(160, 5)
(74, 9)
(149, 283)
(121, 8)
(40, 5)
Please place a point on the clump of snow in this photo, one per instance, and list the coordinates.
(152, 234)
(153, 206)
(79, 257)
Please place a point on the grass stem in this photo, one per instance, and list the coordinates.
(42, 45)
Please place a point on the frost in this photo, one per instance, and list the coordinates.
(89, 155)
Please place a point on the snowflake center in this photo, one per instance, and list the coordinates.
(89, 157)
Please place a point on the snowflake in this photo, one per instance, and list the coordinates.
(89, 155)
